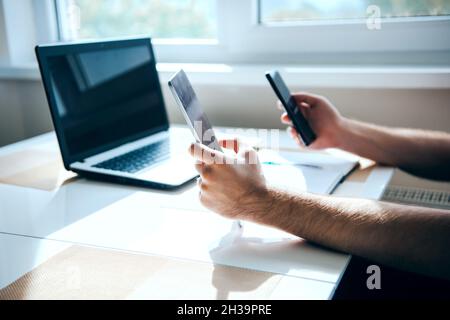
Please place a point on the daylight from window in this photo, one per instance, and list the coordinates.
(187, 19)
(281, 11)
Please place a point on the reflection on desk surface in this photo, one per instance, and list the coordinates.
(90, 273)
(141, 221)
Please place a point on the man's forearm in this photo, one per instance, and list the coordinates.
(414, 239)
(424, 153)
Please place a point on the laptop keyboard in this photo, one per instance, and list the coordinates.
(139, 159)
(417, 196)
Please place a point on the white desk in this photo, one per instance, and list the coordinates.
(35, 225)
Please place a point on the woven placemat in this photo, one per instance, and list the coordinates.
(34, 168)
(91, 273)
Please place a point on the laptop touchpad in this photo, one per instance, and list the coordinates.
(174, 171)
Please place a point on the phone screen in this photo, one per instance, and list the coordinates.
(192, 111)
(298, 120)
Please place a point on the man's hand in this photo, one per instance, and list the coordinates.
(231, 183)
(322, 116)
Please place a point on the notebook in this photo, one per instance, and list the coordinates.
(314, 172)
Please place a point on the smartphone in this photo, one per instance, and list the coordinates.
(298, 120)
(192, 111)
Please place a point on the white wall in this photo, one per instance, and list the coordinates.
(255, 106)
(24, 111)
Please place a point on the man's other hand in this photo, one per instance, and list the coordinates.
(322, 116)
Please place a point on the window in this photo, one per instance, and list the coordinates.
(311, 32)
(283, 11)
(317, 32)
(186, 19)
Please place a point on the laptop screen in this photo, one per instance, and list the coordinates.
(103, 95)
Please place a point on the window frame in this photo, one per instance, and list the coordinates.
(168, 50)
(19, 38)
(422, 33)
(243, 40)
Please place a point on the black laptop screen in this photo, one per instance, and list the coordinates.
(105, 97)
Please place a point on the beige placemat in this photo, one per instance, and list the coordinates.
(34, 168)
(90, 273)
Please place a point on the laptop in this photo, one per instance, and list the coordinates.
(109, 114)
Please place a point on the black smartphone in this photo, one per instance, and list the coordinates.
(298, 120)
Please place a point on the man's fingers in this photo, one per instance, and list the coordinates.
(200, 167)
(248, 155)
(305, 109)
(304, 105)
(295, 136)
(204, 199)
(293, 133)
(285, 119)
(191, 149)
(205, 154)
(232, 144)
(205, 171)
(305, 97)
(202, 185)
(318, 144)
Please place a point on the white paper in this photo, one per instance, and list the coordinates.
(304, 171)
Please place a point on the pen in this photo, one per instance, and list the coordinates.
(314, 166)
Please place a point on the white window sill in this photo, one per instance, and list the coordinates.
(299, 76)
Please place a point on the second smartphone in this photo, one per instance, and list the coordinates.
(298, 120)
